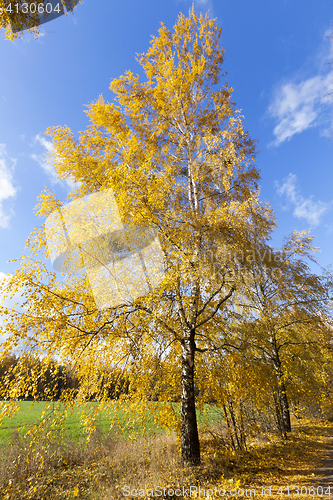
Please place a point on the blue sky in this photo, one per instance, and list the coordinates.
(277, 56)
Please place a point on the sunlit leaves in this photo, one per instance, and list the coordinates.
(174, 151)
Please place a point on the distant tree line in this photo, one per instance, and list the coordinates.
(48, 379)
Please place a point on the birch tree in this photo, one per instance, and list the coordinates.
(174, 152)
(286, 320)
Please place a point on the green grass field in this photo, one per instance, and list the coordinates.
(29, 414)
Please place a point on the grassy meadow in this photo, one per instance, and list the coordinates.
(30, 413)
(112, 466)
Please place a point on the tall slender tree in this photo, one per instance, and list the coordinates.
(285, 318)
(176, 156)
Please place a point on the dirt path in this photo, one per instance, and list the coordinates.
(324, 473)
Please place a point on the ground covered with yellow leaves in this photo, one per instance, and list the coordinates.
(111, 467)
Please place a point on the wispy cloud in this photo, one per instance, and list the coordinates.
(204, 6)
(300, 103)
(296, 107)
(44, 160)
(7, 189)
(304, 208)
(204, 3)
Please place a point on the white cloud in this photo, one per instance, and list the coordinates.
(205, 3)
(42, 158)
(44, 142)
(204, 6)
(297, 107)
(305, 208)
(45, 162)
(7, 189)
(300, 102)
